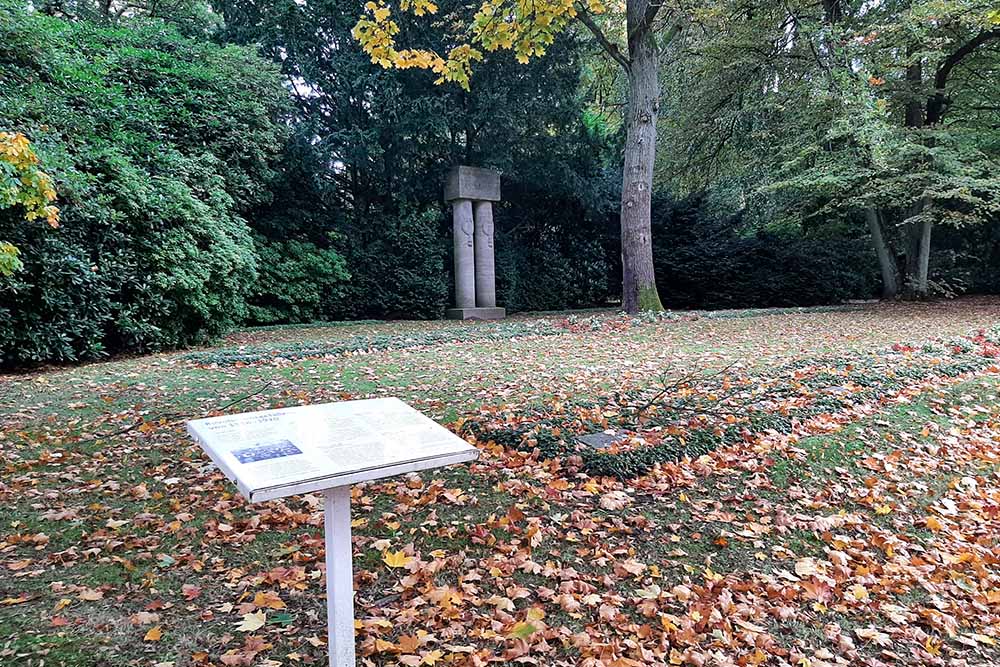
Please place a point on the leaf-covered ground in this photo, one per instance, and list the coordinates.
(787, 488)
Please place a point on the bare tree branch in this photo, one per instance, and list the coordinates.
(938, 102)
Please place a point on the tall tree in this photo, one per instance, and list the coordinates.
(636, 41)
(873, 112)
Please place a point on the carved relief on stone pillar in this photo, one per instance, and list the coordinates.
(463, 228)
(486, 296)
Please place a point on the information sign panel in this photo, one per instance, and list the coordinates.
(326, 448)
(278, 453)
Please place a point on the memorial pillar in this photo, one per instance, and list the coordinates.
(465, 255)
(486, 294)
(471, 191)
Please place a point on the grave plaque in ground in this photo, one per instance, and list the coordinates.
(601, 439)
(326, 448)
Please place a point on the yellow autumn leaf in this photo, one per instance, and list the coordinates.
(535, 614)
(396, 559)
(432, 657)
(269, 600)
(383, 646)
(522, 630)
(153, 635)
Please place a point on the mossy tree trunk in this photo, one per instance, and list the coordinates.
(638, 280)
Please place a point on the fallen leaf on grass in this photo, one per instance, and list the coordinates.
(269, 600)
(252, 622)
(143, 618)
(396, 559)
(523, 630)
(90, 595)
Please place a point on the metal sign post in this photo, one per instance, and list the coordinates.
(339, 576)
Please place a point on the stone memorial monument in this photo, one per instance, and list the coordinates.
(471, 192)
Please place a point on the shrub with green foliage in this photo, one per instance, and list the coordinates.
(156, 154)
(552, 274)
(57, 307)
(704, 261)
(299, 282)
(399, 267)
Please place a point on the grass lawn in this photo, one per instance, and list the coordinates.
(787, 488)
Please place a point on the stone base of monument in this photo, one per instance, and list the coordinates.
(476, 313)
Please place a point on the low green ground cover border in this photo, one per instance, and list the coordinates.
(835, 385)
(479, 332)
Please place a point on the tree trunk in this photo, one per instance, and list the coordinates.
(918, 234)
(638, 282)
(923, 263)
(918, 258)
(911, 240)
(890, 286)
(914, 103)
(918, 253)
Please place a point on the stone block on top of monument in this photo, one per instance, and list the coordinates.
(473, 183)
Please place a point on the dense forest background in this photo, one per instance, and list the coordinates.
(244, 162)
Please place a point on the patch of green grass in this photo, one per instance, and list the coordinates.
(26, 646)
(783, 470)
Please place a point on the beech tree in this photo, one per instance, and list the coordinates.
(636, 42)
(877, 113)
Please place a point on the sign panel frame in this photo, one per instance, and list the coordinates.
(240, 445)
